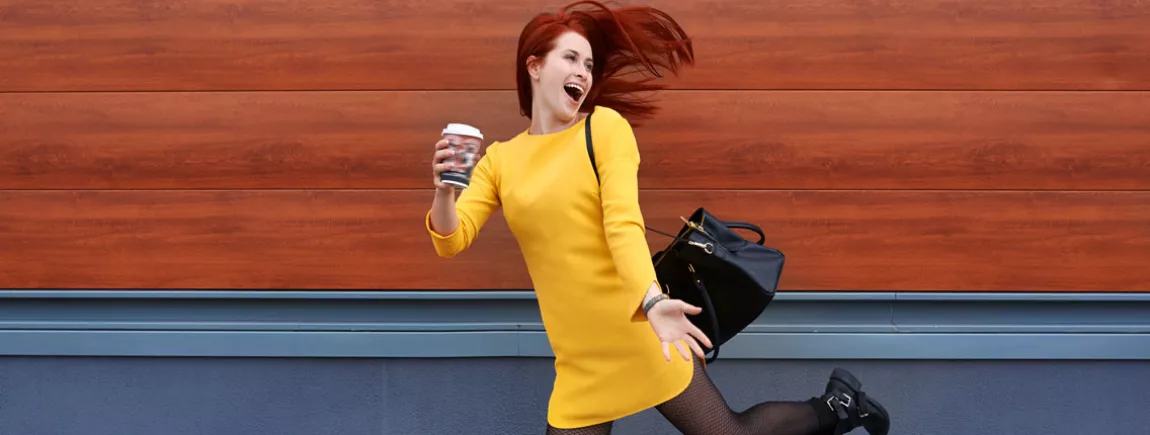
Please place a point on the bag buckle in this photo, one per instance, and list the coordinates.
(707, 247)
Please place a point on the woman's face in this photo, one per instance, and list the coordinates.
(561, 81)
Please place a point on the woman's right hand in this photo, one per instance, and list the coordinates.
(668, 318)
(438, 165)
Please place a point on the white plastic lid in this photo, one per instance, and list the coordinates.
(463, 130)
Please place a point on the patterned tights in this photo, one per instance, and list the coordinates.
(701, 410)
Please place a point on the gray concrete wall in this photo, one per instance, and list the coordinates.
(320, 396)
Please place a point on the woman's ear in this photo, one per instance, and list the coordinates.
(533, 67)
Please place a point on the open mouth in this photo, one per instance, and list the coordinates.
(574, 91)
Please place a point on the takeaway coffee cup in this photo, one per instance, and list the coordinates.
(465, 140)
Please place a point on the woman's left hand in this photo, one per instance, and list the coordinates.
(669, 320)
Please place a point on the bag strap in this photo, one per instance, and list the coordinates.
(709, 307)
(591, 149)
(709, 310)
(595, 167)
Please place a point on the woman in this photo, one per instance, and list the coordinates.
(610, 327)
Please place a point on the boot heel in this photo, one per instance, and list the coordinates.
(877, 420)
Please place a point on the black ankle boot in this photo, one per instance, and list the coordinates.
(854, 408)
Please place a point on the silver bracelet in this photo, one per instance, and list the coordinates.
(651, 302)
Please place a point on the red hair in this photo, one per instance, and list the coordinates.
(623, 41)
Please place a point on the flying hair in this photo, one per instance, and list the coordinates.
(625, 42)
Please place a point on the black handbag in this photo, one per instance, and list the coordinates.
(708, 265)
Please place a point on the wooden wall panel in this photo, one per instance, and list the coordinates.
(365, 239)
(465, 44)
(701, 140)
(929, 145)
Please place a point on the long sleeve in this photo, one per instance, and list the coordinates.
(618, 159)
(474, 206)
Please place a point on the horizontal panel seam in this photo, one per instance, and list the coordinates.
(433, 295)
(650, 190)
(916, 346)
(512, 90)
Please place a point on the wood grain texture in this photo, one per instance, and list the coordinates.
(275, 239)
(234, 140)
(466, 44)
(701, 140)
(834, 240)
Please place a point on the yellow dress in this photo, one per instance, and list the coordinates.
(588, 259)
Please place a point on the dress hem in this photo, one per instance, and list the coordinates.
(658, 401)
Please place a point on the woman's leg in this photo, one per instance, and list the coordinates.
(701, 410)
(599, 429)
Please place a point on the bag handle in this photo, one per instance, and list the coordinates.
(747, 226)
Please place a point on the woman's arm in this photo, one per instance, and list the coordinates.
(444, 219)
(617, 154)
(455, 223)
(623, 221)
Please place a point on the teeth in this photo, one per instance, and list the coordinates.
(574, 86)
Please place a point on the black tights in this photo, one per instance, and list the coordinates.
(701, 410)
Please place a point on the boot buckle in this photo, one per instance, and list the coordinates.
(835, 398)
(838, 406)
